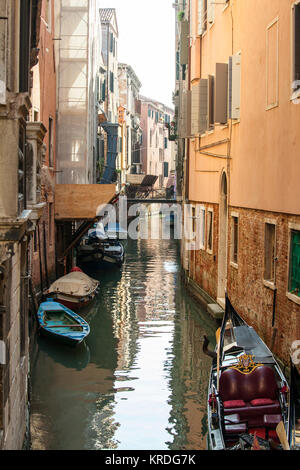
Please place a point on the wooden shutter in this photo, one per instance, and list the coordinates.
(200, 17)
(211, 99)
(199, 107)
(203, 108)
(221, 93)
(184, 42)
(296, 61)
(234, 86)
(210, 11)
(195, 106)
(188, 113)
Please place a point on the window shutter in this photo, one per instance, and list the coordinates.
(184, 42)
(296, 43)
(188, 113)
(234, 86)
(221, 93)
(166, 169)
(111, 81)
(3, 26)
(195, 107)
(199, 107)
(103, 90)
(200, 17)
(211, 97)
(203, 121)
(111, 42)
(210, 11)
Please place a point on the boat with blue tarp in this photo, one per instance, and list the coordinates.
(61, 323)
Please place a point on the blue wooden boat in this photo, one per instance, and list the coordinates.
(61, 323)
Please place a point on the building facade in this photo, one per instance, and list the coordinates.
(239, 117)
(21, 150)
(43, 116)
(158, 152)
(77, 56)
(129, 88)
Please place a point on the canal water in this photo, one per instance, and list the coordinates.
(140, 379)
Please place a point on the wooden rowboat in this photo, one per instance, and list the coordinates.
(74, 290)
(248, 393)
(60, 323)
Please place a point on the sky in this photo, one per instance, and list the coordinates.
(147, 43)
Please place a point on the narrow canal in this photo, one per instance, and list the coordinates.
(140, 379)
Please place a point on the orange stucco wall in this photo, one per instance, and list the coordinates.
(264, 164)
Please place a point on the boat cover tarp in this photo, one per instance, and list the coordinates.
(112, 230)
(75, 283)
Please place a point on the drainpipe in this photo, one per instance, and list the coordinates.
(274, 306)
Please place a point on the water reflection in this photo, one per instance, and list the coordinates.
(140, 381)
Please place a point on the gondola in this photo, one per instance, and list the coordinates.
(248, 395)
(294, 429)
(61, 324)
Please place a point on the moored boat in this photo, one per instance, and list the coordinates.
(103, 244)
(74, 290)
(248, 394)
(60, 323)
(294, 431)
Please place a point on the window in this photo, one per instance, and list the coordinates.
(209, 230)
(211, 84)
(103, 90)
(202, 15)
(24, 45)
(270, 250)
(111, 81)
(296, 47)
(294, 274)
(234, 239)
(35, 242)
(234, 78)
(166, 142)
(202, 228)
(51, 223)
(193, 221)
(221, 93)
(166, 169)
(50, 142)
(111, 48)
(272, 48)
(48, 15)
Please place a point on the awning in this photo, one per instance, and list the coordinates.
(80, 201)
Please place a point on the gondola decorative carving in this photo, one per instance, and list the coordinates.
(246, 364)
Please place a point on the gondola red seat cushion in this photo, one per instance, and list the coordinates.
(262, 402)
(234, 403)
(257, 393)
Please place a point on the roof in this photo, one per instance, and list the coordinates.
(106, 14)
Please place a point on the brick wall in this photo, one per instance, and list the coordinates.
(249, 293)
(203, 264)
